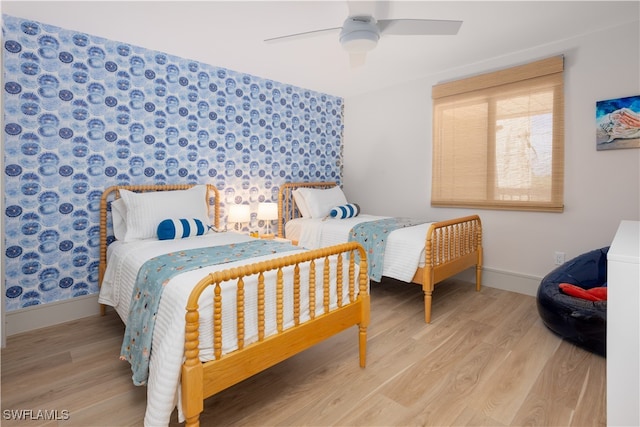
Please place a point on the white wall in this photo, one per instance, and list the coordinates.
(388, 159)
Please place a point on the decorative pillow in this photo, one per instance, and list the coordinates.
(298, 197)
(321, 201)
(144, 211)
(345, 211)
(180, 228)
(593, 294)
(119, 218)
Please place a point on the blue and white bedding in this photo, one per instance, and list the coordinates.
(150, 283)
(373, 236)
(123, 262)
(404, 251)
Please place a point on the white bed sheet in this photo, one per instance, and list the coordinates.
(404, 251)
(123, 263)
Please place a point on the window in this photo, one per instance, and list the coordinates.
(498, 139)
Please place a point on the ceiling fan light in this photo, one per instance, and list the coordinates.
(359, 34)
(359, 41)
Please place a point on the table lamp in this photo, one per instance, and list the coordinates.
(268, 212)
(238, 214)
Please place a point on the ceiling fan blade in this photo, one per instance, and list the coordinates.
(299, 36)
(357, 59)
(410, 27)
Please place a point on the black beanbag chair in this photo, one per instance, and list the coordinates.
(580, 321)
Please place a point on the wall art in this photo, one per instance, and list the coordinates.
(618, 123)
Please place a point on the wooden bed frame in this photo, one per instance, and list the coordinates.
(451, 246)
(200, 380)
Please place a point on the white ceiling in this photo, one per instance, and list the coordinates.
(230, 34)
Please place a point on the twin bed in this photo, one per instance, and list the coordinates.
(424, 253)
(233, 305)
(216, 325)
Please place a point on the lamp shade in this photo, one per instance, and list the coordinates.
(268, 211)
(239, 213)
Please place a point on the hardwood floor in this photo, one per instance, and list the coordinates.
(485, 360)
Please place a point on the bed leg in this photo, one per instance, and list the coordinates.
(363, 346)
(192, 396)
(478, 277)
(192, 422)
(103, 309)
(427, 305)
(362, 327)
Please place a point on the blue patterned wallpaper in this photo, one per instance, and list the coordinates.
(82, 113)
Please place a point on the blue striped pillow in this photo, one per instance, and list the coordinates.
(345, 211)
(180, 228)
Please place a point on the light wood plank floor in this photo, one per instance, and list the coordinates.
(485, 360)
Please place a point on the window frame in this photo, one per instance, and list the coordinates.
(502, 84)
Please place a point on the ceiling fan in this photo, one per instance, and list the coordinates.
(359, 34)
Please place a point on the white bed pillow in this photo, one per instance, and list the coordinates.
(320, 201)
(119, 218)
(144, 211)
(298, 197)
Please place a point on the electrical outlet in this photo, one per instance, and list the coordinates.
(559, 257)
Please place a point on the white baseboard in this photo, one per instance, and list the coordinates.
(40, 316)
(505, 280)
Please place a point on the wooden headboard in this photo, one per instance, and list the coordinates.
(112, 193)
(287, 208)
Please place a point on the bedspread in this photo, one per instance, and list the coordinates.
(124, 261)
(156, 273)
(404, 251)
(373, 236)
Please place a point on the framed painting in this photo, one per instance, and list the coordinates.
(618, 123)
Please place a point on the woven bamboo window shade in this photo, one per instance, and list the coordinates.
(498, 139)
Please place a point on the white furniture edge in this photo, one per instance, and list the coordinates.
(623, 326)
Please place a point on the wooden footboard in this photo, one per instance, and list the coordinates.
(451, 247)
(201, 380)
